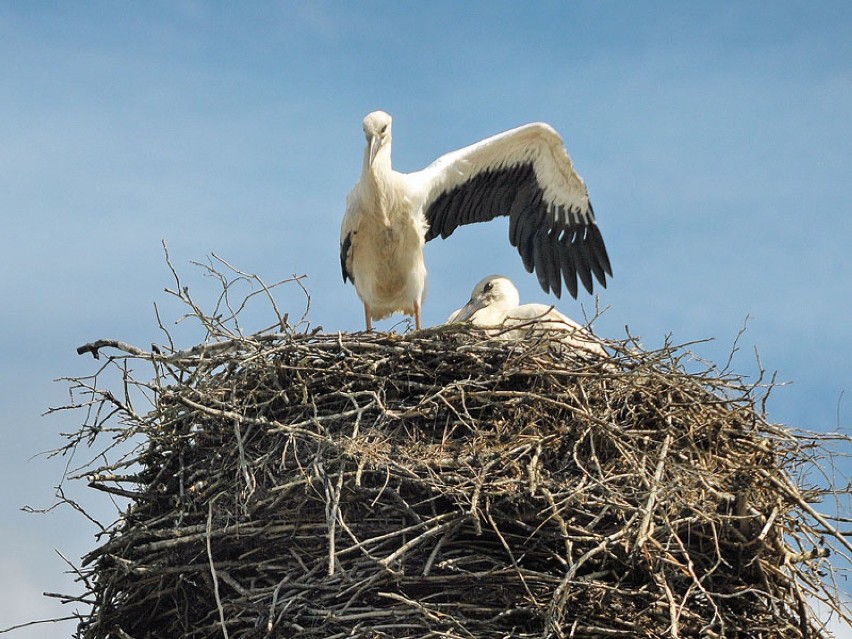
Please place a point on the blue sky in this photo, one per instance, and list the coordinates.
(714, 139)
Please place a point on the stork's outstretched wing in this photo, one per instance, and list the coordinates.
(527, 175)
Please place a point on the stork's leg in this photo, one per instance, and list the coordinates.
(417, 315)
(367, 317)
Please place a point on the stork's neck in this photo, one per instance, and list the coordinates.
(380, 170)
(378, 178)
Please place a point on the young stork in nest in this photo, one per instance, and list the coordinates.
(495, 305)
(525, 174)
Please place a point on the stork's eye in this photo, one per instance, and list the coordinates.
(383, 129)
(488, 287)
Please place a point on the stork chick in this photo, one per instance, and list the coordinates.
(495, 305)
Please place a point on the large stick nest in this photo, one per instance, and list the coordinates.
(440, 484)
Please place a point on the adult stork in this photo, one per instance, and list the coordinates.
(495, 305)
(525, 174)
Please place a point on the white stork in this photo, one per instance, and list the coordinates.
(495, 305)
(524, 173)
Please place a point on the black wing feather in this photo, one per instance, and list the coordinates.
(581, 258)
(526, 230)
(599, 250)
(547, 263)
(439, 211)
(595, 262)
(466, 212)
(539, 254)
(345, 245)
(558, 244)
(566, 259)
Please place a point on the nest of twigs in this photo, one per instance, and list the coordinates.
(441, 484)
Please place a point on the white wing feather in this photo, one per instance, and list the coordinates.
(538, 143)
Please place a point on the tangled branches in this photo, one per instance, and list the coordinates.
(438, 484)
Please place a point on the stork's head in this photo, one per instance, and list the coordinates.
(377, 129)
(493, 292)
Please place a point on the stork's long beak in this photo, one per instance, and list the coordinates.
(467, 311)
(375, 143)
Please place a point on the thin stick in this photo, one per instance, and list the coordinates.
(213, 568)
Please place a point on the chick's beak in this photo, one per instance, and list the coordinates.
(468, 310)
